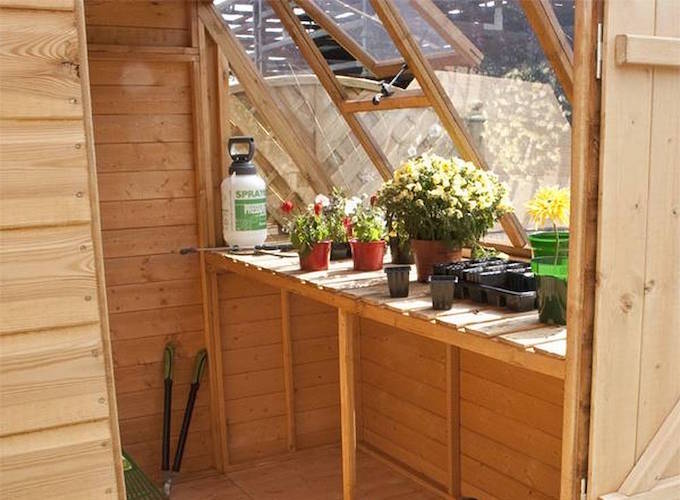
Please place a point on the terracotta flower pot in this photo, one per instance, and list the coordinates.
(427, 253)
(318, 258)
(368, 255)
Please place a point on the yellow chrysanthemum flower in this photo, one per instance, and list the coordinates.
(549, 203)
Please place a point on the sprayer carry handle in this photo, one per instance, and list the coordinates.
(241, 140)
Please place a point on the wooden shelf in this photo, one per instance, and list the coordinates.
(516, 338)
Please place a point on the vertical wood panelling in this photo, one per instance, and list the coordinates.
(257, 405)
(510, 418)
(637, 320)
(144, 133)
(58, 423)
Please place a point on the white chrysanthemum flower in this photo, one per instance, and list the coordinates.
(322, 199)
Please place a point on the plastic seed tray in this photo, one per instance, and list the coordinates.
(494, 281)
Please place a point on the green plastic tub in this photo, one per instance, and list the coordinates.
(551, 288)
(544, 244)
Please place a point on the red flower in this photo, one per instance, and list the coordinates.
(287, 207)
(318, 208)
(374, 200)
(347, 222)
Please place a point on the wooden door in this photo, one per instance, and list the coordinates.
(636, 373)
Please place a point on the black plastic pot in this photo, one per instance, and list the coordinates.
(442, 288)
(401, 253)
(398, 279)
(340, 251)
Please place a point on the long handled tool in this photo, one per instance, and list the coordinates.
(199, 368)
(168, 360)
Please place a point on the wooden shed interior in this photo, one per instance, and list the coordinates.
(115, 116)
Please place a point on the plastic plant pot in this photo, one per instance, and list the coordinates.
(398, 279)
(368, 255)
(441, 288)
(340, 251)
(318, 258)
(551, 287)
(401, 253)
(544, 244)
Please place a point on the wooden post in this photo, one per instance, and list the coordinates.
(207, 237)
(346, 330)
(585, 140)
(287, 348)
(453, 417)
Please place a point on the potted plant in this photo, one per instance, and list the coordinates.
(368, 231)
(338, 209)
(550, 261)
(310, 236)
(443, 205)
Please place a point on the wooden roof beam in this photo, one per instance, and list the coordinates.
(335, 90)
(399, 100)
(550, 34)
(281, 120)
(449, 31)
(433, 89)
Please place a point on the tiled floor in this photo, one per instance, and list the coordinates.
(310, 474)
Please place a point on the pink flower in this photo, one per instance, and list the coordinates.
(318, 208)
(287, 207)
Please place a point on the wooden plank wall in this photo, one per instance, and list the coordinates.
(145, 163)
(510, 418)
(58, 429)
(636, 374)
(255, 398)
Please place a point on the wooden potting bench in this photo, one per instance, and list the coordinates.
(517, 338)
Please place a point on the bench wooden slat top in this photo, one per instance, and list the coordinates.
(517, 338)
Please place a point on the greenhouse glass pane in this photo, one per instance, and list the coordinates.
(513, 105)
(358, 19)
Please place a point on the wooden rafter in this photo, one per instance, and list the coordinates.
(433, 89)
(282, 122)
(550, 34)
(449, 31)
(335, 90)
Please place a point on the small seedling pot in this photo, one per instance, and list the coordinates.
(401, 253)
(318, 258)
(340, 251)
(442, 288)
(551, 287)
(368, 255)
(398, 279)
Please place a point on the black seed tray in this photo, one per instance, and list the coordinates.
(494, 281)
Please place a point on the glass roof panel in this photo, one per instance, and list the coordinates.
(564, 10)
(267, 42)
(359, 20)
(514, 107)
